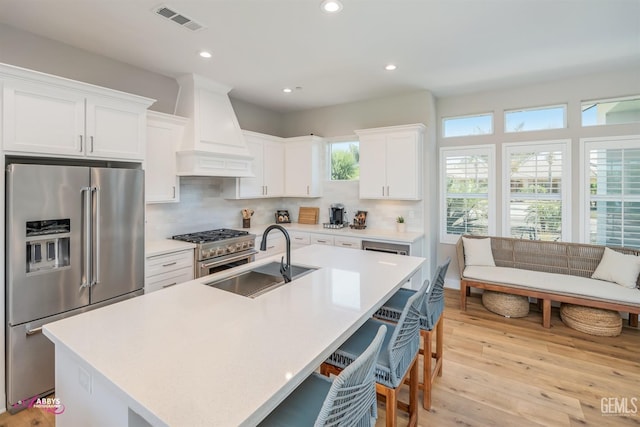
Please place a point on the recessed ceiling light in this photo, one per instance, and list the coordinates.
(287, 90)
(390, 67)
(205, 54)
(331, 6)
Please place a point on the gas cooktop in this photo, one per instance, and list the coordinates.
(217, 235)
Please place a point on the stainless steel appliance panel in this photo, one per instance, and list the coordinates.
(37, 193)
(387, 247)
(28, 373)
(118, 232)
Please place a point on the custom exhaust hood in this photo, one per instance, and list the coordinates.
(213, 144)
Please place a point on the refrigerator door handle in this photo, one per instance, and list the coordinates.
(87, 237)
(96, 277)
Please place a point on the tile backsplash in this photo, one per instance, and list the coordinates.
(202, 207)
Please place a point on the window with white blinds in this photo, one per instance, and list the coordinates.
(536, 194)
(611, 185)
(467, 193)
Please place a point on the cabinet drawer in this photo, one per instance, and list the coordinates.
(167, 279)
(300, 238)
(321, 239)
(348, 242)
(169, 262)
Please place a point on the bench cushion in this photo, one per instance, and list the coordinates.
(563, 284)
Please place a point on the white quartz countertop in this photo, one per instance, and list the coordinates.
(194, 355)
(165, 246)
(367, 233)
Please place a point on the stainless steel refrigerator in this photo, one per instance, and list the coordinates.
(74, 242)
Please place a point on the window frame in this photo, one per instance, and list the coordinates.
(485, 149)
(565, 192)
(543, 107)
(611, 142)
(466, 116)
(337, 140)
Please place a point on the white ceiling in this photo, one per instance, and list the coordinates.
(262, 46)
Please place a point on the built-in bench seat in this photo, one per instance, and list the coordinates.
(549, 271)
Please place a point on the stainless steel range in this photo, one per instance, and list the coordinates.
(220, 249)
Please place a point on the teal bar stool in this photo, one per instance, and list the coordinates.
(396, 362)
(348, 400)
(431, 320)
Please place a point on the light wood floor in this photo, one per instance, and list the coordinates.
(511, 372)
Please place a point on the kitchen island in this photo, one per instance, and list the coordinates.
(194, 355)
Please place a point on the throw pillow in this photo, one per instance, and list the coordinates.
(618, 268)
(478, 252)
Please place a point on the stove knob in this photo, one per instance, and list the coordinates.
(244, 245)
(231, 249)
(220, 251)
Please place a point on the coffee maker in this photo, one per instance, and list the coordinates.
(337, 214)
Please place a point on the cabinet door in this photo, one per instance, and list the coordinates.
(402, 172)
(253, 187)
(162, 185)
(373, 162)
(298, 161)
(115, 129)
(41, 119)
(273, 169)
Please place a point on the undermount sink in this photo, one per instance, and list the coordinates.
(259, 280)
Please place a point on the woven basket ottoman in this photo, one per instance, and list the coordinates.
(593, 321)
(507, 305)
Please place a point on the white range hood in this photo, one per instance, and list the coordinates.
(213, 144)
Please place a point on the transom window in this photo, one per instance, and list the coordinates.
(481, 124)
(541, 118)
(611, 111)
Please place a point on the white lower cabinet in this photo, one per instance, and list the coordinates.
(275, 244)
(168, 269)
(347, 242)
(321, 239)
(299, 239)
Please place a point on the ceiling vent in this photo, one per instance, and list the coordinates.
(180, 19)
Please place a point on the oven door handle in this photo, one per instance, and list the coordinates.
(228, 260)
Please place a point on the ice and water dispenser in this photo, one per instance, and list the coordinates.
(47, 244)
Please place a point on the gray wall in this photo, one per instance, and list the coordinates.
(343, 119)
(257, 119)
(28, 50)
(623, 82)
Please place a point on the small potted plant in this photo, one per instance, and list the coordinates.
(401, 226)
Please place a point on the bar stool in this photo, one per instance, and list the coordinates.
(396, 362)
(431, 320)
(350, 399)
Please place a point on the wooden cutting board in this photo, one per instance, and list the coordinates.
(308, 215)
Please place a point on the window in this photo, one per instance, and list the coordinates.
(611, 191)
(611, 112)
(541, 118)
(467, 192)
(467, 125)
(345, 158)
(536, 194)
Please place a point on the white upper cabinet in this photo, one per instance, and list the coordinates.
(391, 162)
(164, 136)
(303, 166)
(44, 114)
(267, 166)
